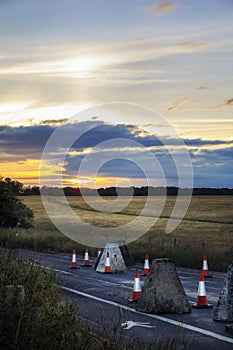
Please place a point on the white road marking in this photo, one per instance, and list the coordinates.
(130, 324)
(57, 270)
(108, 282)
(118, 284)
(210, 282)
(160, 318)
(62, 271)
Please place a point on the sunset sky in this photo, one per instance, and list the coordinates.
(58, 58)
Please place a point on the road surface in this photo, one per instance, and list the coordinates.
(102, 299)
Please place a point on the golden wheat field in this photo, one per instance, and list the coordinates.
(207, 227)
(209, 218)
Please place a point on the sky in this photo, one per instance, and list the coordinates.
(148, 65)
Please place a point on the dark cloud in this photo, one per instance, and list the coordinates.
(21, 143)
(103, 132)
(213, 168)
(28, 138)
(55, 121)
(228, 101)
(218, 155)
(200, 142)
(117, 167)
(124, 163)
(24, 137)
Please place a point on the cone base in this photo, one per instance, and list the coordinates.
(205, 274)
(136, 295)
(144, 274)
(83, 265)
(131, 301)
(73, 267)
(110, 272)
(208, 306)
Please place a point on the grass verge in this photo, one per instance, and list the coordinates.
(33, 315)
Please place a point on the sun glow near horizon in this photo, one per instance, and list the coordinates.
(93, 182)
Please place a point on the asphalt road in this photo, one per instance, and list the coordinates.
(102, 299)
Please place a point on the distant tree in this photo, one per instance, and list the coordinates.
(71, 191)
(14, 186)
(35, 190)
(31, 191)
(110, 191)
(12, 211)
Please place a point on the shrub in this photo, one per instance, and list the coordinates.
(37, 320)
(12, 211)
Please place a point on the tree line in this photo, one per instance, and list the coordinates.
(127, 191)
(19, 189)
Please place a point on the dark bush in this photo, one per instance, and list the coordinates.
(12, 211)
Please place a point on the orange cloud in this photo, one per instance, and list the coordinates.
(191, 45)
(159, 9)
(226, 103)
(204, 87)
(185, 99)
(25, 171)
(28, 171)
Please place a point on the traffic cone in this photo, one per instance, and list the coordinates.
(202, 301)
(136, 288)
(107, 268)
(205, 270)
(86, 262)
(146, 266)
(74, 262)
(99, 252)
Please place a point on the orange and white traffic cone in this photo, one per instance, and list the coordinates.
(146, 266)
(74, 264)
(205, 269)
(107, 268)
(136, 288)
(99, 252)
(86, 262)
(202, 301)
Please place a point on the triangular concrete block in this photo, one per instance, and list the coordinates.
(116, 259)
(162, 291)
(224, 308)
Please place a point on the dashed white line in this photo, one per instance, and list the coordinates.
(111, 283)
(118, 284)
(160, 318)
(56, 270)
(210, 282)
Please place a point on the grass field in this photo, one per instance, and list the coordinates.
(207, 227)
